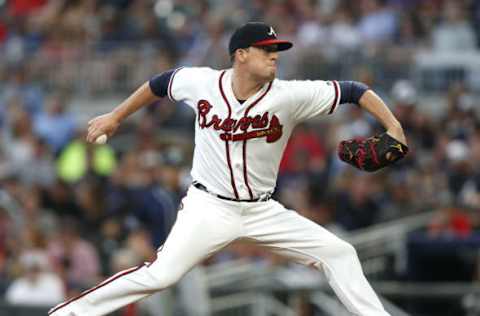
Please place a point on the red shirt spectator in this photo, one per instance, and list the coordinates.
(24, 7)
(451, 221)
(304, 150)
(3, 32)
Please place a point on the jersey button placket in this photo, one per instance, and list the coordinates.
(238, 166)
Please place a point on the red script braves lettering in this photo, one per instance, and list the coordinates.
(263, 125)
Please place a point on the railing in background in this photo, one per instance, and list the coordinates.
(228, 280)
(436, 71)
(15, 310)
(91, 71)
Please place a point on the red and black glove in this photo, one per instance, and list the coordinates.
(373, 153)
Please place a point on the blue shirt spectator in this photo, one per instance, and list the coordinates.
(55, 125)
(378, 24)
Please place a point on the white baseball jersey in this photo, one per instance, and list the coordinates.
(238, 147)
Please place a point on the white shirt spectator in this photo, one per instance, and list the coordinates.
(455, 33)
(344, 35)
(46, 289)
(36, 287)
(311, 33)
(453, 37)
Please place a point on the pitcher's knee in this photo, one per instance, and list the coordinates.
(165, 279)
(341, 249)
(348, 249)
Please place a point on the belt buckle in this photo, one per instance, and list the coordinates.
(264, 196)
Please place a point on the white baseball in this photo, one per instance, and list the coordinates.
(102, 139)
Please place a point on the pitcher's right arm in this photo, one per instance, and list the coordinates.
(146, 94)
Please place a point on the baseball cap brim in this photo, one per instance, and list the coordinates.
(281, 44)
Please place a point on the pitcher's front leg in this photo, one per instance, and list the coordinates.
(202, 227)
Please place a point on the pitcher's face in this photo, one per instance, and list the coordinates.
(261, 61)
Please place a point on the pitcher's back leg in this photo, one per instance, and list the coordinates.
(290, 234)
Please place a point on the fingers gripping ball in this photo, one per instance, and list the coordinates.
(373, 153)
(102, 139)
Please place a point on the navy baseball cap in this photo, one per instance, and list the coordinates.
(256, 34)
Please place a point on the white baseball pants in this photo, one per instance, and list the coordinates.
(205, 225)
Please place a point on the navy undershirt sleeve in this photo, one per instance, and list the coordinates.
(351, 91)
(159, 83)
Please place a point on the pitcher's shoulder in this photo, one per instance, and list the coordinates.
(280, 84)
(288, 86)
(283, 83)
(202, 72)
(294, 86)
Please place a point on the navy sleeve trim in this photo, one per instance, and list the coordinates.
(160, 83)
(170, 95)
(335, 99)
(352, 91)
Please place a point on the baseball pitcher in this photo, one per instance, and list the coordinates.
(244, 117)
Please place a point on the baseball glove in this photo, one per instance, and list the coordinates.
(373, 153)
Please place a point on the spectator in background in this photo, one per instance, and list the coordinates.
(304, 165)
(417, 124)
(450, 222)
(429, 184)
(356, 204)
(304, 152)
(476, 23)
(30, 209)
(59, 198)
(88, 195)
(5, 226)
(312, 31)
(79, 159)
(138, 193)
(459, 168)
(378, 23)
(36, 286)
(472, 196)
(19, 8)
(356, 125)
(20, 85)
(41, 169)
(173, 176)
(343, 34)
(454, 33)
(22, 148)
(410, 34)
(74, 258)
(109, 241)
(55, 125)
(209, 47)
(399, 199)
(404, 96)
(18, 139)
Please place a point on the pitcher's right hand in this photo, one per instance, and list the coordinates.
(103, 124)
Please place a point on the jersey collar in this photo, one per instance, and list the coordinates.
(226, 85)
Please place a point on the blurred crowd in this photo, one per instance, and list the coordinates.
(138, 36)
(72, 213)
(195, 30)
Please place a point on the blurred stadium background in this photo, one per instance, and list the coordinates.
(72, 214)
